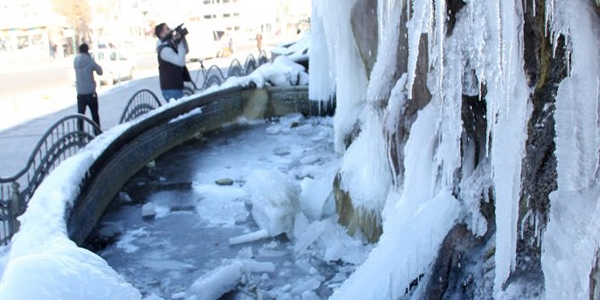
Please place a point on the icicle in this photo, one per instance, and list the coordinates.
(380, 84)
(571, 237)
(508, 112)
(347, 72)
(416, 26)
(440, 12)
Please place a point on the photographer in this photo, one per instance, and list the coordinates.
(171, 50)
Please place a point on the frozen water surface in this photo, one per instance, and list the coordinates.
(173, 253)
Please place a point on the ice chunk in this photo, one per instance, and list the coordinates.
(310, 159)
(310, 235)
(310, 295)
(281, 151)
(304, 265)
(274, 199)
(219, 281)
(249, 237)
(270, 253)
(245, 252)
(148, 210)
(313, 195)
(301, 223)
(123, 196)
(308, 283)
(338, 245)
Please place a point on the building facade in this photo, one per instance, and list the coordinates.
(29, 31)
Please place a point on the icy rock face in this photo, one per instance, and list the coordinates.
(364, 29)
(509, 92)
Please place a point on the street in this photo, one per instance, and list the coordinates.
(36, 89)
(28, 110)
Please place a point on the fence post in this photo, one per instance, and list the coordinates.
(15, 207)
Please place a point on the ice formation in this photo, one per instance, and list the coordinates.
(485, 57)
(274, 199)
(217, 282)
(572, 238)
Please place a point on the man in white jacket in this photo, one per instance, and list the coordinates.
(171, 62)
(85, 66)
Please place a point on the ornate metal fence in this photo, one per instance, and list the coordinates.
(63, 139)
(215, 76)
(140, 103)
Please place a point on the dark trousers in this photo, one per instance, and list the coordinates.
(84, 101)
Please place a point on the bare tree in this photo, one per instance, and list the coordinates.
(78, 14)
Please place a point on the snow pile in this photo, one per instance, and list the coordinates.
(296, 50)
(42, 258)
(281, 72)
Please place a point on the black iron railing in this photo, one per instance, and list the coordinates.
(214, 76)
(63, 139)
(140, 103)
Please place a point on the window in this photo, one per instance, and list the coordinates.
(22, 41)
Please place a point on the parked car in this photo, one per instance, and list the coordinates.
(115, 66)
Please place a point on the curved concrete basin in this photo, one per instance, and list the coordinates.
(157, 133)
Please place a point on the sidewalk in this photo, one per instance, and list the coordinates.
(19, 139)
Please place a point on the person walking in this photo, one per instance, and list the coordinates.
(85, 66)
(259, 42)
(172, 71)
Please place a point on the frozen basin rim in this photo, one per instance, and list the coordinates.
(157, 133)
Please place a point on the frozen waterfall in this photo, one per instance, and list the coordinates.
(484, 56)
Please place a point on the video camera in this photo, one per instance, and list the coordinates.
(178, 33)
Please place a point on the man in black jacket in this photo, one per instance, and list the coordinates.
(171, 62)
